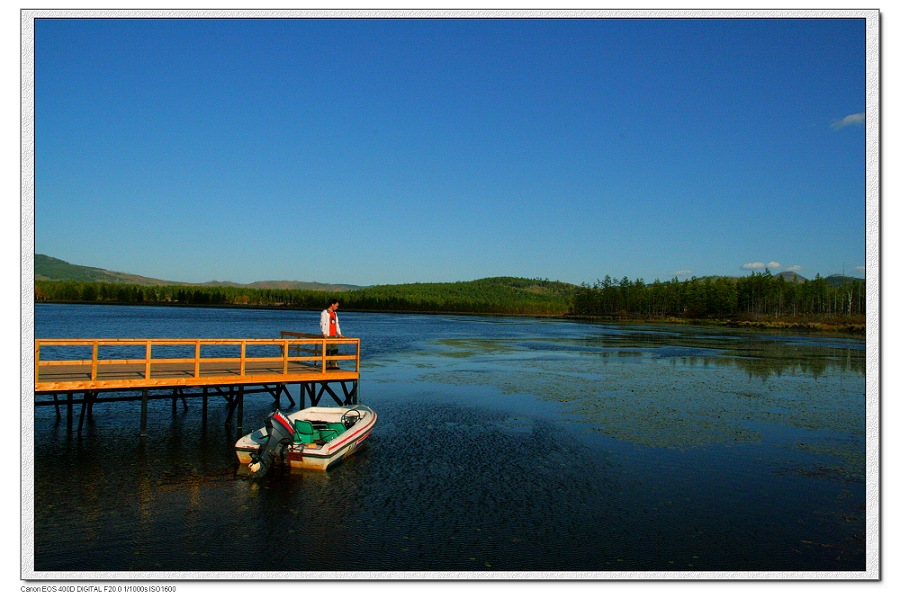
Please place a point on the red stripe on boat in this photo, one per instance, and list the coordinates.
(366, 428)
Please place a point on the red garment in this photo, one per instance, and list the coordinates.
(332, 325)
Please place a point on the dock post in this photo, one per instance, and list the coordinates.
(144, 399)
(351, 397)
(322, 390)
(178, 393)
(240, 406)
(205, 401)
(231, 399)
(85, 407)
(69, 406)
(288, 393)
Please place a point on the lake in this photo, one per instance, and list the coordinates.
(502, 445)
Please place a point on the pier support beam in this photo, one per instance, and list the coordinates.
(240, 403)
(87, 408)
(233, 395)
(70, 406)
(145, 396)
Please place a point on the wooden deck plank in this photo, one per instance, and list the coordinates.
(64, 378)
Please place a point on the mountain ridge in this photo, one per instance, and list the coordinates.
(51, 268)
(54, 269)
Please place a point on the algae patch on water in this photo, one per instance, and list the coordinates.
(715, 390)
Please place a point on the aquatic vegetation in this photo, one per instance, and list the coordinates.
(674, 390)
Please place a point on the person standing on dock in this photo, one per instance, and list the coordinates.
(331, 327)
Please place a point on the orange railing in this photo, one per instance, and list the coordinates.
(297, 349)
(314, 344)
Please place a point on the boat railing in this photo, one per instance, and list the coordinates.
(150, 354)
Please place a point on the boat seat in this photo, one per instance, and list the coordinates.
(327, 434)
(330, 430)
(307, 432)
(337, 427)
(304, 433)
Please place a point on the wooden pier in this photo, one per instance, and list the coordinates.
(84, 372)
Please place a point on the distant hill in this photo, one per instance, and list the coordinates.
(485, 290)
(832, 297)
(834, 281)
(839, 280)
(793, 276)
(51, 268)
(284, 284)
(509, 295)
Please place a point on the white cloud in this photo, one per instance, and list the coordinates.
(761, 266)
(861, 270)
(684, 273)
(852, 119)
(793, 268)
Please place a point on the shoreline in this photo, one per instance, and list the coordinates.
(855, 326)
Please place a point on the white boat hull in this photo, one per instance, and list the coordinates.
(317, 455)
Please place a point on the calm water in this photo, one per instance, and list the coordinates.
(503, 444)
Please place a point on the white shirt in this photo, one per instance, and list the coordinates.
(325, 322)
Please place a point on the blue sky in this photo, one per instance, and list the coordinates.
(369, 151)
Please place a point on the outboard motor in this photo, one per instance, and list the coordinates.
(279, 434)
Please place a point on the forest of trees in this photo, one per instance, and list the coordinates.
(113, 292)
(760, 296)
(513, 296)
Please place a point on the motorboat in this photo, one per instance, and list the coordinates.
(313, 438)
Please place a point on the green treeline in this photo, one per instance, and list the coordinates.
(757, 297)
(514, 296)
(760, 295)
(114, 292)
